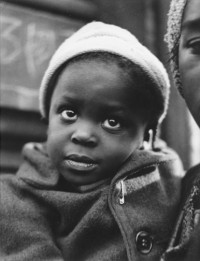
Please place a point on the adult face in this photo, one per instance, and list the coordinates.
(189, 57)
(93, 126)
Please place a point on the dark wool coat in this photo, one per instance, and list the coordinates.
(129, 218)
(185, 243)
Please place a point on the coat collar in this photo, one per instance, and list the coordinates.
(38, 170)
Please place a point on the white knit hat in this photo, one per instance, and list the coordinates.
(101, 37)
(172, 36)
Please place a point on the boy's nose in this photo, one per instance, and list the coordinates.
(84, 135)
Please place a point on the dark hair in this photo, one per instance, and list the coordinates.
(147, 97)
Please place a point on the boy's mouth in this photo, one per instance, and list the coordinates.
(80, 163)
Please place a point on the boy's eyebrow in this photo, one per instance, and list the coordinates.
(114, 106)
(67, 98)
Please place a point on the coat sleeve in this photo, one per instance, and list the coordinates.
(25, 229)
(185, 243)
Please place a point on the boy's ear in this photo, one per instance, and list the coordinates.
(148, 140)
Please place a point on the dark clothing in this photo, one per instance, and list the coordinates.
(185, 243)
(130, 217)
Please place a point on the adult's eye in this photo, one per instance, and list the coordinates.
(112, 124)
(69, 115)
(194, 45)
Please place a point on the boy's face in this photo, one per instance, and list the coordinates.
(93, 125)
(189, 57)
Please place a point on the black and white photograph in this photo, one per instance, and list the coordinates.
(100, 130)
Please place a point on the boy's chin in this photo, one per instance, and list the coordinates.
(80, 178)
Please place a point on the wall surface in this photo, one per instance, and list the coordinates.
(30, 33)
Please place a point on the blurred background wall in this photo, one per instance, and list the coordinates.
(30, 33)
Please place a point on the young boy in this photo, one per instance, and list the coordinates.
(93, 191)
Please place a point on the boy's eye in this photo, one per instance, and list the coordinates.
(112, 124)
(69, 115)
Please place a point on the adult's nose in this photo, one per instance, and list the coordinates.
(84, 134)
